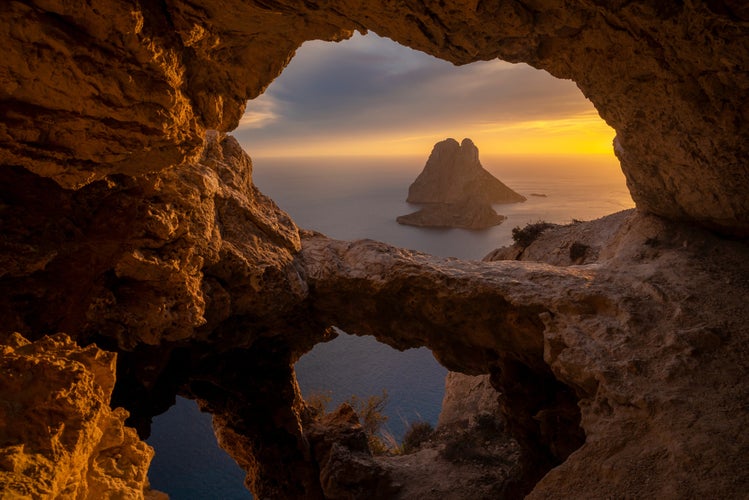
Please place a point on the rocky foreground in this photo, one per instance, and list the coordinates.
(60, 438)
(617, 367)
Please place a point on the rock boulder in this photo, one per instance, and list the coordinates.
(58, 436)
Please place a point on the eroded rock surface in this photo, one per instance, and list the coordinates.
(662, 414)
(653, 361)
(470, 454)
(577, 243)
(58, 436)
(347, 468)
(146, 260)
(184, 273)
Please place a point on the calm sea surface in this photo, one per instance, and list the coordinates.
(352, 198)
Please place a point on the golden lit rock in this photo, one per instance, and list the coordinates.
(60, 438)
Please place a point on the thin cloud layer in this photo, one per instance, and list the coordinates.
(369, 91)
(262, 113)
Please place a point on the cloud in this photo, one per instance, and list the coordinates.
(260, 112)
(368, 86)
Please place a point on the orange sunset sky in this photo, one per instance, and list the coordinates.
(370, 96)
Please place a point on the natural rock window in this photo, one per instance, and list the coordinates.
(324, 137)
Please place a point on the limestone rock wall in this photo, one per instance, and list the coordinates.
(466, 398)
(148, 259)
(130, 87)
(58, 436)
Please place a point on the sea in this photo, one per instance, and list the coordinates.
(360, 197)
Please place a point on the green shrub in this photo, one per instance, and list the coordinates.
(523, 237)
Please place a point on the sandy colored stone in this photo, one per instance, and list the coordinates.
(662, 415)
(578, 243)
(467, 397)
(470, 454)
(125, 221)
(58, 436)
(347, 468)
(147, 259)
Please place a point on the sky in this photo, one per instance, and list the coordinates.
(370, 96)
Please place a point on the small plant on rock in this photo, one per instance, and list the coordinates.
(318, 402)
(416, 434)
(372, 419)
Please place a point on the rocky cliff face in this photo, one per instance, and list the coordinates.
(645, 383)
(457, 190)
(125, 221)
(59, 438)
(667, 364)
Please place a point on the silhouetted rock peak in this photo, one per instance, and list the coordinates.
(458, 190)
(453, 174)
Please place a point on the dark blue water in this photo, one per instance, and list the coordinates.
(361, 366)
(189, 463)
(360, 198)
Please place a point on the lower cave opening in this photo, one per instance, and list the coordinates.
(413, 381)
(190, 465)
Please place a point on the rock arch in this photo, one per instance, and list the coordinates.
(130, 87)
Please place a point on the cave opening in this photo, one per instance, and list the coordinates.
(329, 145)
(411, 380)
(338, 137)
